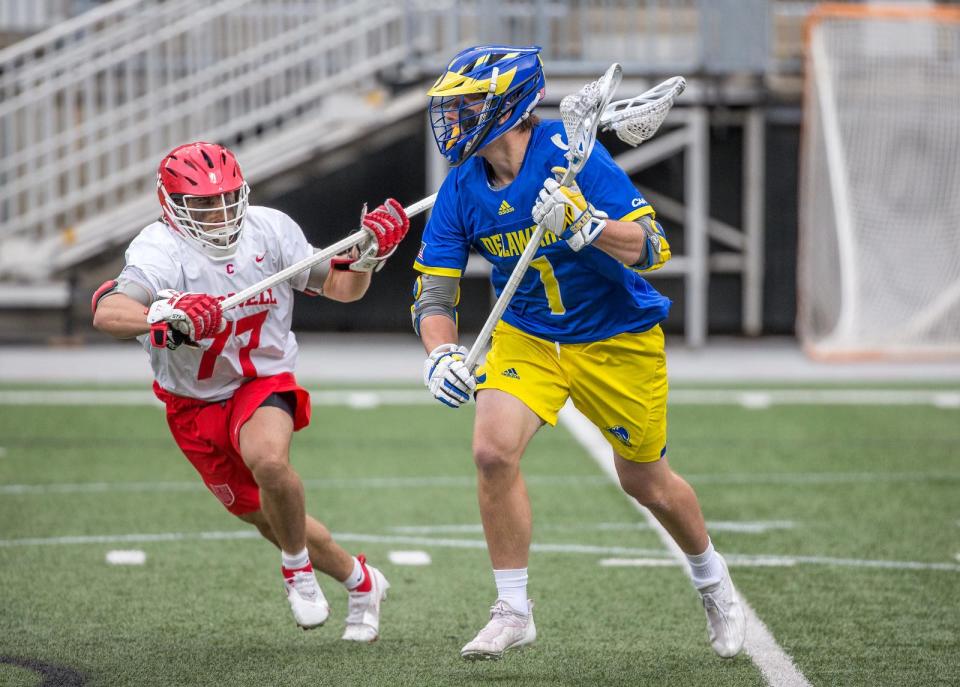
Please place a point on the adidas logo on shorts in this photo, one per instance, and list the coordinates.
(511, 372)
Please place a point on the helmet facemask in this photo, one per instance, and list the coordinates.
(212, 222)
(463, 120)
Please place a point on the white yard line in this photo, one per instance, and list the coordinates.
(469, 482)
(742, 527)
(757, 399)
(622, 553)
(403, 483)
(773, 662)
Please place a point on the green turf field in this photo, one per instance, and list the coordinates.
(842, 524)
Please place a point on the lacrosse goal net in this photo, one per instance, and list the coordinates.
(879, 255)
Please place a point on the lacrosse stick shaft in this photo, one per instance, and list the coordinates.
(340, 246)
(510, 288)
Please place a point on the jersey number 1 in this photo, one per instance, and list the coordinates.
(550, 285)
(252, 324)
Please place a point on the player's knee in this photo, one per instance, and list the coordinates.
(650, 493)
(494, 456)
(270, 469)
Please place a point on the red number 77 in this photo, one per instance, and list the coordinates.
(250, 323)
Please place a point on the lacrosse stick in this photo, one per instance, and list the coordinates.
(340, 246)
(580, 113)
(634, 120)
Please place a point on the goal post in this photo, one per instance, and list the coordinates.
(878, 266)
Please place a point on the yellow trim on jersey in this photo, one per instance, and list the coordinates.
(638, 213)
(437, 271)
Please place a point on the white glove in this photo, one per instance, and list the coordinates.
(446, 376)
(564, 211)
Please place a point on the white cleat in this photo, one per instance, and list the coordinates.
(309, 606)
(726, 623)
(506, 630)
(363, 614)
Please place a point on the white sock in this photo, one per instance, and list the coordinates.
(356, 577)
(295, 561)
(512, 588)
(706, 568)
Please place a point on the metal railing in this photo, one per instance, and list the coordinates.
(645, 36)
(88, 107)
(34, 15)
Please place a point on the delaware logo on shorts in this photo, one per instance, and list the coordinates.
(621, 433)
(223, 492)
(511, 372)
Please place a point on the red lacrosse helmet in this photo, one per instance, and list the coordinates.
(204, 196)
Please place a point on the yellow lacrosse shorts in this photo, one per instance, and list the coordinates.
(619, 383)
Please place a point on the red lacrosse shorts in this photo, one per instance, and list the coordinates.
(209, 434)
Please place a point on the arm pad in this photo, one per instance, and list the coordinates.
(130, 282)
(433, 295)
(656, 249)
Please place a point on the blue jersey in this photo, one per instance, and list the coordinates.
(566, 296)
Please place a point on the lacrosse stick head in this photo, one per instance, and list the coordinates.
(634, 120)
(580, 113)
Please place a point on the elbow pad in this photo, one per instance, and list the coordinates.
(433, 295)
(656, 249)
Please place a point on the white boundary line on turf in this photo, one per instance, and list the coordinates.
(756, 399)
(465, 481)
(774, 663)
(734, 560)
(742, 527)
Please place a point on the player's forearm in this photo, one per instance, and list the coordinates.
(121, 317)
(346, 286)
(436, 330)
(624, 241)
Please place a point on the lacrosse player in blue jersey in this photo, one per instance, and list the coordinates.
(583, 324)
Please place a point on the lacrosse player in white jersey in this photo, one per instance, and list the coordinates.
(227, 378)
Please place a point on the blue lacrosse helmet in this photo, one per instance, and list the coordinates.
(480, 86)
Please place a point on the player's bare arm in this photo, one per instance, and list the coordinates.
(638, 243)
(436, 330)
(344, 286)
(120, 316)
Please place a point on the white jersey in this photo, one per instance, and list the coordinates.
(256, 340)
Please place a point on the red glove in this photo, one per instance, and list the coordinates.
(389, 224)
(198, 315)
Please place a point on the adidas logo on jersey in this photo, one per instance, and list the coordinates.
(511, 372)
(504, 208)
